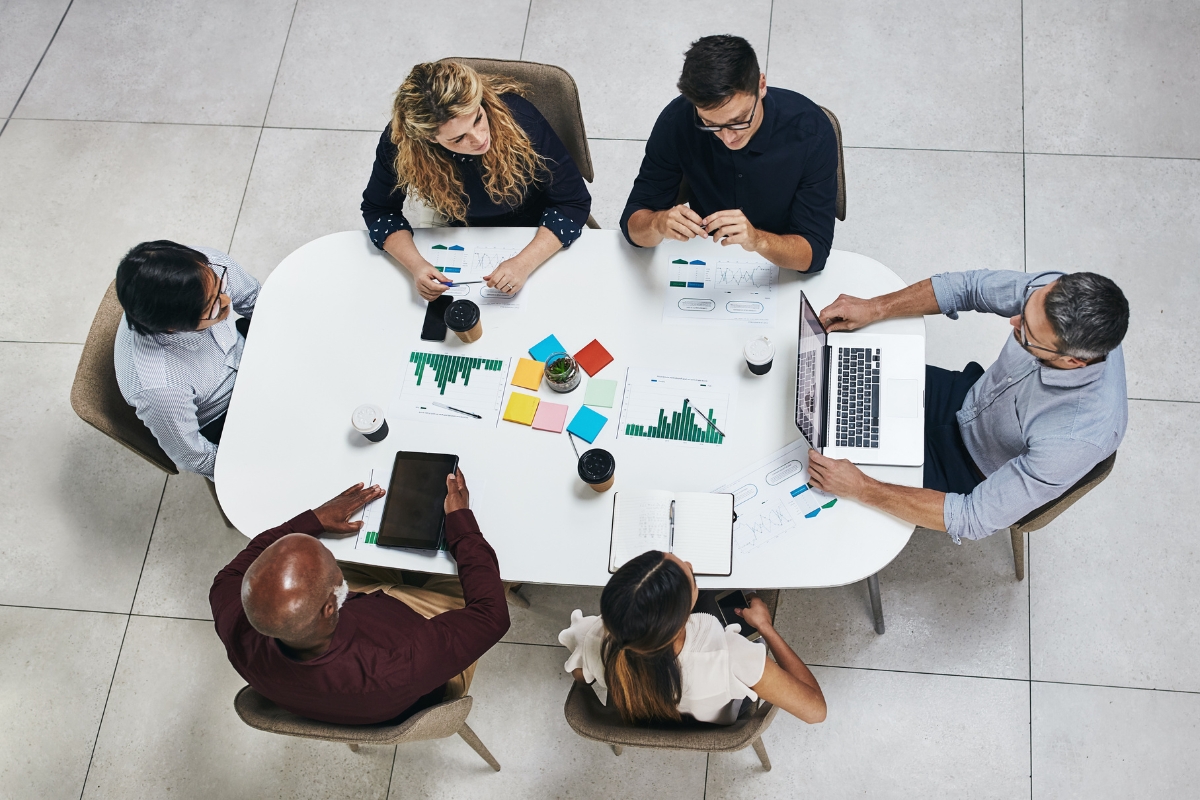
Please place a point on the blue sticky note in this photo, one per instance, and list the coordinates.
(586, 424)
(545, 348)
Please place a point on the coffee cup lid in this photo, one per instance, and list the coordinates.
(462, 315)
(367, 418)
(759, 351)
(597, 466)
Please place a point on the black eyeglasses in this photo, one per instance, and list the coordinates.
(1024, 340)
(732, 126)
(222, 288)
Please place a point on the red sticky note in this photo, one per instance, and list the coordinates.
(593, 358)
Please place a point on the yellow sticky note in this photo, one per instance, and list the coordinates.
(528, 374)
(521, 407)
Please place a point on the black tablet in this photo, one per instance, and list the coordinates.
(414, 512)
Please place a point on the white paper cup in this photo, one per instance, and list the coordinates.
(368, 420)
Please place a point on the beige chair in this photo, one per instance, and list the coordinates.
(1040, 518)
(553, 92)
(97, 399)
(437, 722)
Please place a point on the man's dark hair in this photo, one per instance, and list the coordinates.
(1089, 314)
(161, 285)
(715, 68)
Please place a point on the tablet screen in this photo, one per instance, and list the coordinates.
(414, 512)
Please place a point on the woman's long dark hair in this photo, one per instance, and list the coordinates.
(644, 607)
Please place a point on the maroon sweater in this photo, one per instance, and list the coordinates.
(386, 661)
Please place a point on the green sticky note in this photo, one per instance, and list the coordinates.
(600, 392)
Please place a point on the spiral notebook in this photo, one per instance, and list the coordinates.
(696, 526)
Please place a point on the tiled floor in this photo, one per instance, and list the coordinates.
(983, 133)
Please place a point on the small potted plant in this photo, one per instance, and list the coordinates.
(562, 373)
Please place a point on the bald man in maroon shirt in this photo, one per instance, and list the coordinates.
(297, 634)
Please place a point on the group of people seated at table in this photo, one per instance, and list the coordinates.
(359, 645)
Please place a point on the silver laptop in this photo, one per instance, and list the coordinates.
(860, 396)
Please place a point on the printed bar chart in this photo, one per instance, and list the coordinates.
(673, 407)
(447, 369)
(682, 427)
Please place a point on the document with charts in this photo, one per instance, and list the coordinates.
(772, 498)
(681, 408)
(464, 390)
(461, 263)
(726, 291)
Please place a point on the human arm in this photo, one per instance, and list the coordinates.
(848, 313)
(510, 275)
(787, 681)
(790, 251)
(840, 477)
(651, 213)
(170, 414)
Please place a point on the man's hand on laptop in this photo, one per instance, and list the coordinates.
(334, 516)
(849, 314)
(836, 476)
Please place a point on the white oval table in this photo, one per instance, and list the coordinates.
(334, 326)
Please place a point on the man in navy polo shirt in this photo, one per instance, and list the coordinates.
(759, 164)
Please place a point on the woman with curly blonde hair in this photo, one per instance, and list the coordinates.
(474, 150)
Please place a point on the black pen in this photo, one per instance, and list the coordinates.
(468, 413)
(706, 419)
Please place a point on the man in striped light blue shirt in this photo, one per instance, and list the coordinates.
(178, 350)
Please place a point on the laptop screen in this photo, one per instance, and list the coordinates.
(810, 376)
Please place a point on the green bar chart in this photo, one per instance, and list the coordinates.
(452, 388)
(676, 407)
(448, 369)
(684, 425)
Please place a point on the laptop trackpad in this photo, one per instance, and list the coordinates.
(901, 398)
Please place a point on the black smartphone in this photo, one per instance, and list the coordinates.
(727, 602)
(414, 511)
(434, 328)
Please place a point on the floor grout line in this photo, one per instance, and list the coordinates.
(1026, 541)
(149, 541)
(525, 33)
(37, 66)
(104, 709)
(770, 30)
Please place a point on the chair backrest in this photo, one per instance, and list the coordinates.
(97, 398)
(840, 209)
(553, 92)
(1040, 518)
(436, 722)
(591, 719)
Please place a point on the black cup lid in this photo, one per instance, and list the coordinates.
(462, 315)
(597, 466)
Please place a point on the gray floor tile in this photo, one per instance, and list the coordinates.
(1112, 581)
(54, 678)
(617, 162)
(1137, 221)
(1115, 78)
(934, 75)
(549, 612)
(892, 735)
(519, 692)
(25, 30)
(345, 58)
(76, 508)
(626, 55)
(922, 213)
(947, 608)
(305, 184)
(1100, 742)
(170, 731)
(190, 545)
(75, 196)
(134, 61)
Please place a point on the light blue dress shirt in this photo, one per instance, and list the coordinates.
(1033, 430)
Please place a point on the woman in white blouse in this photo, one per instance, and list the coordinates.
(659, 662)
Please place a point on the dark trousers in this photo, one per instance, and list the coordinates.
(213, 430)
(948, 465)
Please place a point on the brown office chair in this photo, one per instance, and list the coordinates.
(437, 722)
(553, 92)
(97, 399)
(1040, 518)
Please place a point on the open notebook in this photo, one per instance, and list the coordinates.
(696, 526)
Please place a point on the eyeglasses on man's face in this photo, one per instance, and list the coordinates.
(731, 126)
(222, 288)
(1024, 340)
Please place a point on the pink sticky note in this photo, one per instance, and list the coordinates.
(550, 417)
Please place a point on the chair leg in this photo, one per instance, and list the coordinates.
(876, 602)
(212, 489)
(515, 598)
(618, 749)
(470, 738)
(353, 748)
(761, 749)
(1018, 545)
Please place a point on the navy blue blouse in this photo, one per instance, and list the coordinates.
(784, 180)
(561, 203)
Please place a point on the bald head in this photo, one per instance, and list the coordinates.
(289, 590)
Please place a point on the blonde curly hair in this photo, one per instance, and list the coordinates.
(436, 92)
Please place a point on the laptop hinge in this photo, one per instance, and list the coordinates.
(823, 429)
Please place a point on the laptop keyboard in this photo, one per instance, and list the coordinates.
(858, 397)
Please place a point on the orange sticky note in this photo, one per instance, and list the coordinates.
(528, 374)
(521, 408)
(593, 357)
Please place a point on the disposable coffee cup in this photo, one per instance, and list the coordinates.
(598, 469)
(368, 420)
(462, 317)
(759, 354)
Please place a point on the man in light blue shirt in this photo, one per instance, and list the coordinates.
(177, 350)
(1002, 443)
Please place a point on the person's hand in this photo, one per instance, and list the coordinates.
(848, 314)
(430, 282)
(732, 227)
(757, 614)
(508, 276)
(836, 476)
(679, 223)
(457, 496)
(334, 516)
